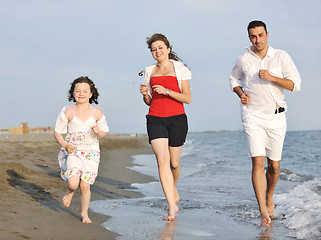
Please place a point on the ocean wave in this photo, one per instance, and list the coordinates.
(300, 210)
(287, 175)
(243, 212)
(189, 151)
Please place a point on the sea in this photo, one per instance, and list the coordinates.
(217, 198)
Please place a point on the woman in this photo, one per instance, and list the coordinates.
(165, 89)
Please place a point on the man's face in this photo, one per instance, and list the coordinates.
(258, 37)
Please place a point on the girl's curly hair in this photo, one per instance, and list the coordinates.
(93, 89)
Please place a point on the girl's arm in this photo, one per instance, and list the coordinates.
(63, 143)
(185, 96)
(98, 132)
(61, 124)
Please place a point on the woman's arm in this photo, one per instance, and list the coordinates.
(144, 90)
(185, 96)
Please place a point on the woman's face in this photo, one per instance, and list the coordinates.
(160, 51)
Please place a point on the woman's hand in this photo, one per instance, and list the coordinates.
(160, 89)
(143, 89)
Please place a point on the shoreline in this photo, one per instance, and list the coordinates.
(32, 189)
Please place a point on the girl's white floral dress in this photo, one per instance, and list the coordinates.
(84, 161)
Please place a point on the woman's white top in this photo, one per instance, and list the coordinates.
(181, 71)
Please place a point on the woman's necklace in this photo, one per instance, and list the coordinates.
(163, 65)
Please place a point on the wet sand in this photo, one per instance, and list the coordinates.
(31, 188)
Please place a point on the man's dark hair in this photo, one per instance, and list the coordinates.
(255, 24)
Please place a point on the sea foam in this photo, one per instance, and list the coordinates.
(301, 210)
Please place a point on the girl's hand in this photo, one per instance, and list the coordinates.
(96, 130)
(70, 148)
(160, 89)
(143, 89)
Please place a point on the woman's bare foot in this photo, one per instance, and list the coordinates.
(169, 218)
(171, 215)
(176, 196)
(265, 219)
(66, 200)
(86, 219)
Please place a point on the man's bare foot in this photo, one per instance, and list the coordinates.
(86, 219)
(66, 200)
(270, 209)
(270, 206)
(176, 196)
(171, 215)
(265, 219)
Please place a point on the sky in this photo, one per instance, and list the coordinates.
(45, 45)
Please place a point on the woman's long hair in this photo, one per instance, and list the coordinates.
(160, 37)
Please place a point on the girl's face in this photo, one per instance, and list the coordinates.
(82, 93)
(160, 51)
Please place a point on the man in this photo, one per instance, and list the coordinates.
(259, 78)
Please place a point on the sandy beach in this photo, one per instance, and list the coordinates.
(31, 187)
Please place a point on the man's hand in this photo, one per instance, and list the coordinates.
(245, 98)
(264, 74)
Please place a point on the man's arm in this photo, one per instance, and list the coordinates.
(245, 97)
(282, 82)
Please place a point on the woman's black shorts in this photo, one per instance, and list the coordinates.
(174, 128)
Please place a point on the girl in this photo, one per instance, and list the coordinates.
(79, 155)
(165, 89)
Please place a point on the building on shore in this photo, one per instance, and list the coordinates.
(25, 129)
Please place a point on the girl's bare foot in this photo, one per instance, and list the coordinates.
(86, 219)
(265, 219)
(66, 200)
